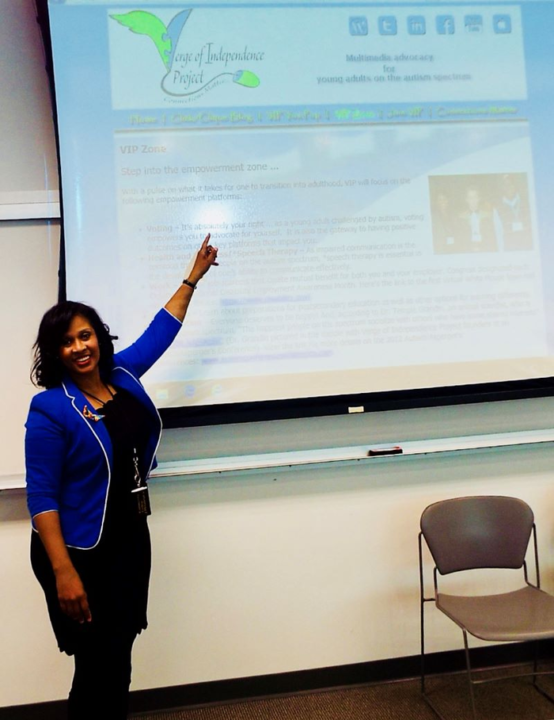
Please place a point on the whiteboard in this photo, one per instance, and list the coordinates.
(29, 247)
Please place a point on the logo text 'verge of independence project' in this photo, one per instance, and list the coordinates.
(191, 68)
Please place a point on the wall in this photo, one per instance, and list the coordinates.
(272, 572)
(258, 572)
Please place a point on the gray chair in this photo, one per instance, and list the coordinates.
(485, 532)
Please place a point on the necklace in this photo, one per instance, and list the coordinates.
(102, 402)
(91, 415)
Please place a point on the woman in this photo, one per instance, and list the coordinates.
(90, 444)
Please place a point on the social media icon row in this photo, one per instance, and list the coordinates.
(189, 391)
(444, 24)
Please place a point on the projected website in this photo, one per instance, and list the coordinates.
(368, 174)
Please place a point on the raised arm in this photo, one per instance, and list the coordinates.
(178, 304)
(158, 336)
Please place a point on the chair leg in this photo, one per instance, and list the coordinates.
(424, 694)
(469, 678)
(427, 699)
(536, 685)
(535, 661)
(545, 694)
(421, 611)
(422, 632)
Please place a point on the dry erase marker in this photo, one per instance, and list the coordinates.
(394, 450)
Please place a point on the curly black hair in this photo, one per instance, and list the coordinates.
(47, 370)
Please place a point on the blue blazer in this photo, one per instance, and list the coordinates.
(69, 457)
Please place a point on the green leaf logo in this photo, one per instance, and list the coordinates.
(145, 23)
(166, 40)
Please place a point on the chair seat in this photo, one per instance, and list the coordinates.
(525, 614)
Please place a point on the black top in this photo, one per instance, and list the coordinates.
(116, 572)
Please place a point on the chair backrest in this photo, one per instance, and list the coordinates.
(477, 532)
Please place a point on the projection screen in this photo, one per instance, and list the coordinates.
(377, 177)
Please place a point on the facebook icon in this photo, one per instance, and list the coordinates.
(445, 25)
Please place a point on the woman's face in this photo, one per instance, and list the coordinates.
(79, 351)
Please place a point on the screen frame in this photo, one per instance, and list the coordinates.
(332, 405)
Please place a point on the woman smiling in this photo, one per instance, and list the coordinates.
(90, 445)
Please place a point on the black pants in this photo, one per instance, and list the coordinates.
(100, 688)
